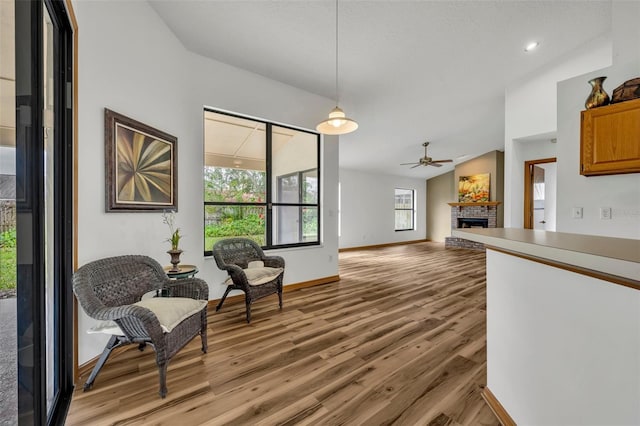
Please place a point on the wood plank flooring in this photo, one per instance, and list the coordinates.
(399, 340)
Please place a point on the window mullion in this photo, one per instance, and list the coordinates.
(269, 209)
(300, 200)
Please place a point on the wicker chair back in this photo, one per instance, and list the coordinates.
(236, 251)
(116, 281)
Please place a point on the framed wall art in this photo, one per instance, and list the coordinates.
(474, 188)
(140, 166)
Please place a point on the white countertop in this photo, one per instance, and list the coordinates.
(614, 256)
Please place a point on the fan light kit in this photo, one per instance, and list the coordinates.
(426, 160)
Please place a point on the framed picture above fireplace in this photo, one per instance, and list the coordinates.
(474, 188)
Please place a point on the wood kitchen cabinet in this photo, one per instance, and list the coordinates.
(610, 139)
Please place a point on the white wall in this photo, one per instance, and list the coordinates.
(563, 348)
(620, 192)
(530, 110)
(525, 115)
(521, 151)
(138, 68)
(367, 208)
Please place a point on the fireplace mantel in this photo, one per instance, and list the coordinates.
(480, 203)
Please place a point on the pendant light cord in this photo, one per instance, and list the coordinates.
(337, 96)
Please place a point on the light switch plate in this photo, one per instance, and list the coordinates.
(576, 212)
(605, 213)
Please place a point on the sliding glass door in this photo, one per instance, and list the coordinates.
(43, 188)
(8, 305)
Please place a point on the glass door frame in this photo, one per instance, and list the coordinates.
(31, 289)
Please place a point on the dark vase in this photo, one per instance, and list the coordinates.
(598, 97)
(175, 259)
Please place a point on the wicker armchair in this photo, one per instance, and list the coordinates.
(108, 290)
(238, 256)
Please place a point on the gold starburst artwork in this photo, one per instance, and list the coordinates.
(141, 166)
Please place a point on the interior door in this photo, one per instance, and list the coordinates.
(540, 194)
(539, 221)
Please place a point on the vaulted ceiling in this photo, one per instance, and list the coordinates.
(409, 71)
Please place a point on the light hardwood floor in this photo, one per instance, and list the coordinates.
(399, 340)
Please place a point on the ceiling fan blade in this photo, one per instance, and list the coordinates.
(407, 164)
(442, 161)
(417, 165)
(434, 164)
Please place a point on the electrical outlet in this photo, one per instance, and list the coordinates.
(605, 212)
(576, 212)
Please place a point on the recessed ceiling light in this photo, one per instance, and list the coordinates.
(531, 46)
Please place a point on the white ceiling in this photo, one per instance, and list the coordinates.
(409, 71)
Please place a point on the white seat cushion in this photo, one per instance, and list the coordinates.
(106, 327)
(170, 312)
(257, 275)
(255, 264)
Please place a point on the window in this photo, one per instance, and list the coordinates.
(405, 209)
(299, 220)
(261, 181)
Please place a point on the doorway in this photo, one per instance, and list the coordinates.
(36, 241)
(540, 194)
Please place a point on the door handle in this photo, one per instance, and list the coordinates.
(542, 221)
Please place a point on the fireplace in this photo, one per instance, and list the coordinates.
(473, 222)
(472, 215)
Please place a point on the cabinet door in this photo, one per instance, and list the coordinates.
(610, 139)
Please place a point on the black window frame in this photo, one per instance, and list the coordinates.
(412, 209)
(301, 206)
(268, 204)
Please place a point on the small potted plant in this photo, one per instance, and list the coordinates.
(169, 217)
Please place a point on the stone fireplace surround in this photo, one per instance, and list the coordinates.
(482, 211)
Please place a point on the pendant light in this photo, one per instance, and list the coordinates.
(337, 123)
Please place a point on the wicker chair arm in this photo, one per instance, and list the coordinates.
(232, 269)
(141, 323)
(238, 276)
(135, 322)
(273, 261)
(193, 288)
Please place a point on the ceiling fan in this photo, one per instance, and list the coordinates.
(426, 160)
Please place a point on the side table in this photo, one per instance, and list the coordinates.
(186, 271)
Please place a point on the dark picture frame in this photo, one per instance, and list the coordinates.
(141, 166)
